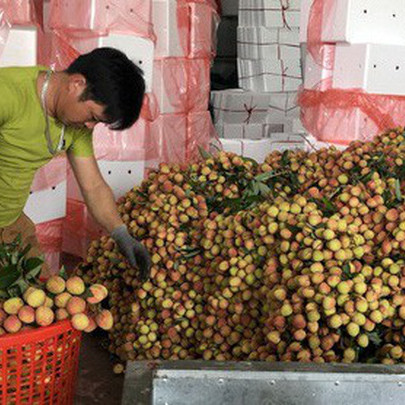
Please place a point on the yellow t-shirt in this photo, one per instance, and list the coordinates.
(23, 145)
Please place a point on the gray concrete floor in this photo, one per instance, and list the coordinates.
(97, 384)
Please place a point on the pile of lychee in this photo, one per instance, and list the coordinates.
(301, 258)
(56, 300)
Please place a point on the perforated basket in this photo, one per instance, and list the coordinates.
(39, 366)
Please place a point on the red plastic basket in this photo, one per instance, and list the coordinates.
(39, 366)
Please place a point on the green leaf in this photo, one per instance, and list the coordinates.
(346, 271)
(3, 294)
(375, 338)
(115, 260)
(255, 188)
(8, 276)
(246, 159)
(26, 250)
(14, 291)
(62, 273)
(204, 154)
(32, 263)
(285, 160)
(264, 189)
(398, 190)
(32, 274)
(265, 176)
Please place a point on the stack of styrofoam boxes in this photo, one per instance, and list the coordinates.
(269, 74)
(269, 57)
(243, 119)
(181, 83)
(363, 48)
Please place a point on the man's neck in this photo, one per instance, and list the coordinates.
(50, 96)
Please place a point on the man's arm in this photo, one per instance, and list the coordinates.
(96, 192)
(100, 201)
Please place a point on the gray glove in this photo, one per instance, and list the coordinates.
(133, 250)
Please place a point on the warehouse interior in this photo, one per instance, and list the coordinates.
(202, 202)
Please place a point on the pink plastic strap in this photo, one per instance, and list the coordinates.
(319, 52)
(50, 175)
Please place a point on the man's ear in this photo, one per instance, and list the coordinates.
(77, 84)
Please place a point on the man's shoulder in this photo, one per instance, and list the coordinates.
(17, 74)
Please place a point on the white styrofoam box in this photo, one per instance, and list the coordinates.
(268, 43)
(294, 125)
(377, 69)
(53, 198)
(359, 21)
(275, 51)
(304, 19)
(285, 145)
(171, 36)
(313, 144)
(286, 136)
(253, 149)
(21, 47)
(256, 149)
(139, 50)
(365, 21)
(265, 35)
(170, 78)
(239, 106)
(287, 141)
(247, 131)
(121, 176)
(288, 67)
(269, 18)
(319, 75)
(260, 149)
(269, 4)
(229, 7)
(232, 145)
(269, 75)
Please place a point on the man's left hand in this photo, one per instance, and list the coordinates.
(136, 253)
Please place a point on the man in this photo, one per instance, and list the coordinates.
(43, 113)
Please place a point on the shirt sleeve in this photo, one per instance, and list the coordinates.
(82, 143)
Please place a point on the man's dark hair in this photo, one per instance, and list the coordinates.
(114, 81)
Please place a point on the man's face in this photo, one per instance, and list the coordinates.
(72, 111)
